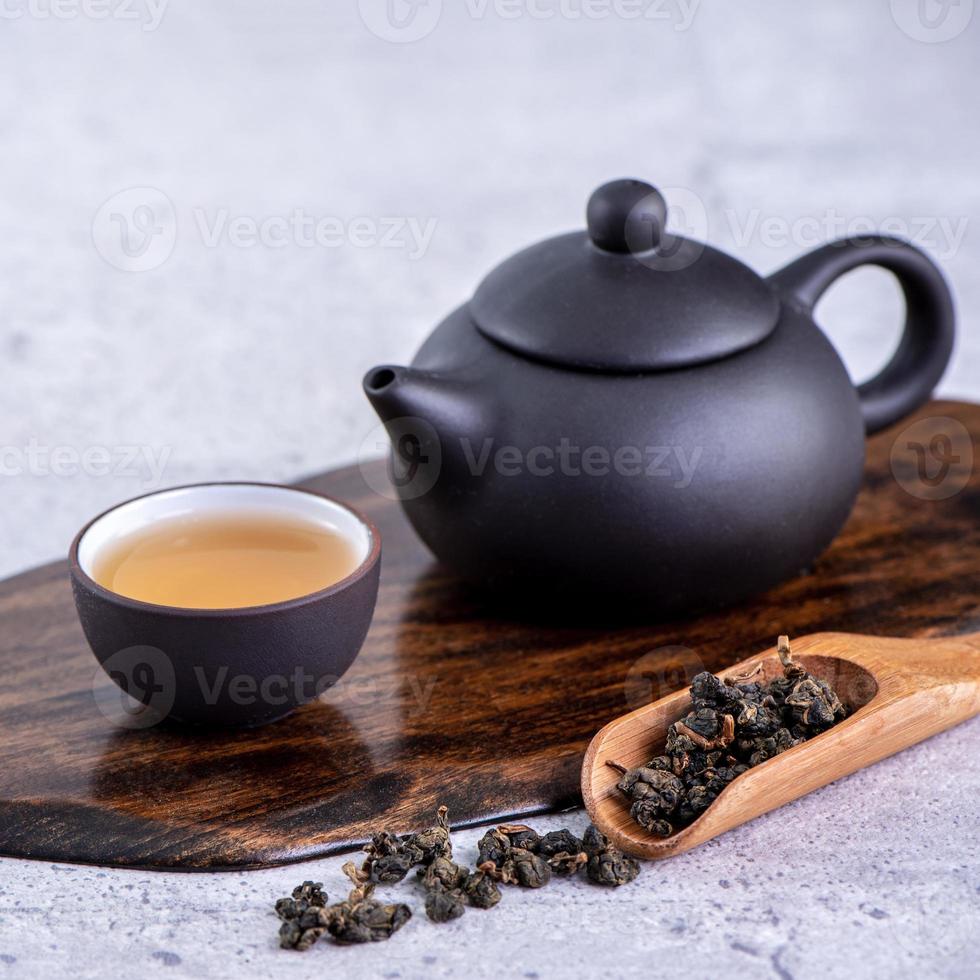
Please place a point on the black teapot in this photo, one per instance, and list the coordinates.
(628, 415)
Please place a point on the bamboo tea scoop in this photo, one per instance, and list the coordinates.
(898, 692)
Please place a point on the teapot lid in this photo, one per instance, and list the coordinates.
(626, 295)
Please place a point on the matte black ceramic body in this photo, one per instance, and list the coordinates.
(686, 469)
(228, 667)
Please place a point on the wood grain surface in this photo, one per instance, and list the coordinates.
(453, 699)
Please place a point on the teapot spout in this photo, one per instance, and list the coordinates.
(408, 393)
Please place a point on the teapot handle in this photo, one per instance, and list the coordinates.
(908, 379)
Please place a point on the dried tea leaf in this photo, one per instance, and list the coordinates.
(734, 724)
(481, 889)
(302, 932)
(434, 842)
(443, 873)
(519, 835)
(361, 919)
(607, 864)
(493, 847)
(443, 906)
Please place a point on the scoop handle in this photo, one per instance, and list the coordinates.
(907, 380)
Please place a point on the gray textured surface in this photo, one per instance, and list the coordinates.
(228, 361)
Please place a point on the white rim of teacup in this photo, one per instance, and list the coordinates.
(246, 497)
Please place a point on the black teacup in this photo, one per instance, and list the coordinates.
(241, 666)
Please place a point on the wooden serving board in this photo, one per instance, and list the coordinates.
(451, 701)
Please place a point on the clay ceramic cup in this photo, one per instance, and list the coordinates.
(225, 667)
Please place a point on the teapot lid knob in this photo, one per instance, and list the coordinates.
(625, 296)
(626, 216)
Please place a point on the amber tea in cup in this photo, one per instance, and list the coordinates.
(225, 560)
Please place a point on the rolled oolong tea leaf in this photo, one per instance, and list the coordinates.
(656, 793)
(527, 869)
(558, 841)
(391, 868)
(810, 703)
(310, 892)
(308, 895)
(440, 876)
(650, 817)
(734, 725)
(520, 867)
(519, 835)
(367, 922)
(303, 931)
(481, 888)
(607, 864)
(389, 858)
(434, 842)
(704, 729)
(443, 873)
(361, 919)
(508, 853)
(289, 908)
(660, 786)
(494, 848)
(442, 905)
(563, 851)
